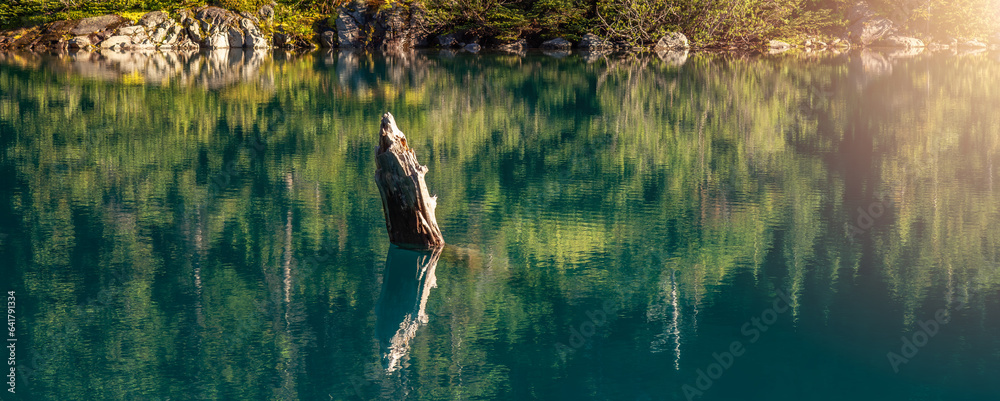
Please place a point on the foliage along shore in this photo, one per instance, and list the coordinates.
(505, 24)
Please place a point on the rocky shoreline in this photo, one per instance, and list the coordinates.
(358, 26)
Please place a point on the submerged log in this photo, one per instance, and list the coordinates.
(406, 204)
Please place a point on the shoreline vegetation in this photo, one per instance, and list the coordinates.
(510, 25)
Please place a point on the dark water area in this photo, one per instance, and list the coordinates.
(206, 226)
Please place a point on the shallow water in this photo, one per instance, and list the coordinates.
(665, 227)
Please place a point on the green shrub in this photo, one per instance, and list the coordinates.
(504, 19)
(959, 18)
(566, 18)
(243, 5)
(637, 21)
(710, 22)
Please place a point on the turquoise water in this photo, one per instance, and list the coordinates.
(205, 226)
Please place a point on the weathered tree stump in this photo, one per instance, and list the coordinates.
(408, 208)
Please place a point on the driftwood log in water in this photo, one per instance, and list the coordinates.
(408, 208)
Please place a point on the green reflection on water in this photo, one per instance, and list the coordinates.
(206, 226)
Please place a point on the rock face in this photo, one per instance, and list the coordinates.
(593, 42)
(327, 39)
(395, 27)
(91, 25)
(235, 37)
(348, 34)
(556, 44)
(214, 16)
(194, 32)
(157, 30)
(80, 42)
(898, 42)
(391, 26)
(673, 41)
(217, 40)
(253, 38)
(865, 26)
(153, 19)
(217, 28)
(116, 41)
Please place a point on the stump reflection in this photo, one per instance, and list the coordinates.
(406, 284)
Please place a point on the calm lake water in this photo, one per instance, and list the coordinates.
(206, 226)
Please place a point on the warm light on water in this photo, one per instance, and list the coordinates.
(206, 226)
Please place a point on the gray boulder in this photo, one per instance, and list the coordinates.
(91, 25)
(473, 47)
(131, 30)
(418, 26)
(673, 41)
(116, 41)
(256, 40)
(194, 32)
(594, 42)
(348, 34)
(173, 36)
(143, 44)
(266, 12)
(557, 44)
(170, 41)
(865, 26)
(80, 42)
(870, 31)
(391, 28)
(898, 42)
(356, 9)
(158, 35)
(778, 45)
(217, 40)
(153, 19)
(247, 23)
(235, 37)
(215, 16)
